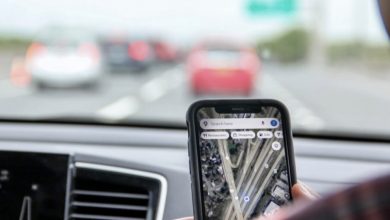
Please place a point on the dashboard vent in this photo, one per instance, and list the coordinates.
(102, 194)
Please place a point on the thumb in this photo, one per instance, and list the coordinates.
(301, 191)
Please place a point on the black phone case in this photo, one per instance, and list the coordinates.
(193, 152)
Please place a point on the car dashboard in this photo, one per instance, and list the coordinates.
(91, 171)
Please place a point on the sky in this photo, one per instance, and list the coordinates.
(187, 20)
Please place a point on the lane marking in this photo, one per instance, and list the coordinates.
(150, 91)
(300, 114)
(120, 109)
(159, 86)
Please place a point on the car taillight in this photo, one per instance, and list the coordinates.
(91, 50)
(34, 49)
(138, 50)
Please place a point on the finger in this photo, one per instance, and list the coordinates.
(303, 192)
(279, 215)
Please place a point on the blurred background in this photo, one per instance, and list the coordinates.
(146, 61)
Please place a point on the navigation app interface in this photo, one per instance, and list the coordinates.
(243, 163)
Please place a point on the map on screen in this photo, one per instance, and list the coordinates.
(244, 171)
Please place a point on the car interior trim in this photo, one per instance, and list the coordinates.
(160, 178)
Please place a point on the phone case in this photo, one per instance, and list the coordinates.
(193, 143)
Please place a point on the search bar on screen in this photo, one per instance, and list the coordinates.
(239, 123)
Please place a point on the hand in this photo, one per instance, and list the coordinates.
(300, 192)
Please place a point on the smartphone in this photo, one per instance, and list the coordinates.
(241, 158)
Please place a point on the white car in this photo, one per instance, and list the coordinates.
(64, 59)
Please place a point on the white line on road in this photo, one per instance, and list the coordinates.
(149, 92)
(120, 109)
(300, 114)
(159, 86)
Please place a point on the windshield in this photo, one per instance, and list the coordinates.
(121, 61)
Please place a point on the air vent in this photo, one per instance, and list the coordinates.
(111, 193)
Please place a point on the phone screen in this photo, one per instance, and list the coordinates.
(243, 163)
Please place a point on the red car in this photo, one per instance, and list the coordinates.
(222, 68)
(163, 51)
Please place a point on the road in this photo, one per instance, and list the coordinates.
(331, 99)
(257, 178)
(228, 172)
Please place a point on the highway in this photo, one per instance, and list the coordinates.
(333, 99)
(228, 172)
(328, 100)
(256, 178)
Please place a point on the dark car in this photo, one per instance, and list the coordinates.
(122, 53)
